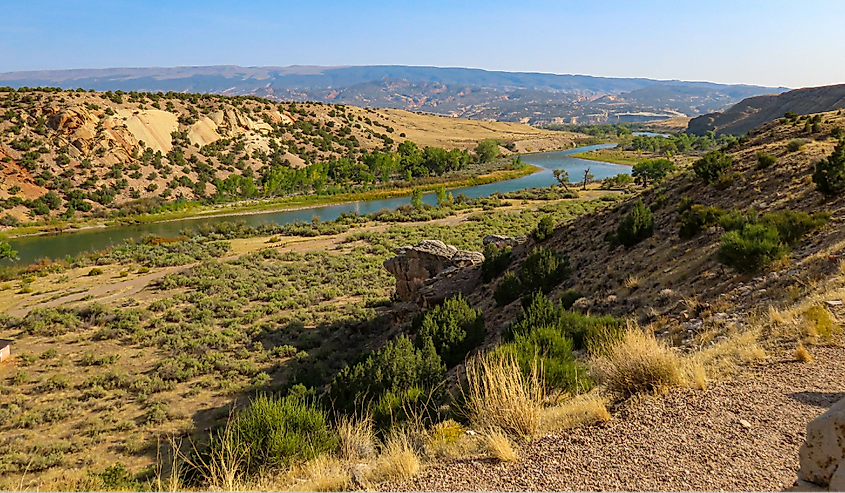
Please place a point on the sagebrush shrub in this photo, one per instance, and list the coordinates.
(698, 218)
(765, 160)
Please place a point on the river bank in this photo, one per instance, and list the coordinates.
(251, 207)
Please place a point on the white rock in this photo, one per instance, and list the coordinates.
(823, 452)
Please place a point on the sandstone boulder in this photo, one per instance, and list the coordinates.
(822, 456)
(415, 267)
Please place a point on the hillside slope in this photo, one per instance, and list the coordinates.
(755, 111)
(90, 151)
(723, 434)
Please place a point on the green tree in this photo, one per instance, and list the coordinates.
(6, 251)
(637, 225)
(441, 195)
(487, 150)
(416, 198)
(652, 170)
(712, 166)
(544, 228)
(829, 175)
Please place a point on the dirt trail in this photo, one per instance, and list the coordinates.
(740, 435)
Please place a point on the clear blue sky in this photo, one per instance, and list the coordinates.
(794, 44)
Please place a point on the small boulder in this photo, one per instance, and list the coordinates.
(822, 456)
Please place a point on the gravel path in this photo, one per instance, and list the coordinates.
(739, 435)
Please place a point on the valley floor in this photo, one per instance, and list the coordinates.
(738, 435)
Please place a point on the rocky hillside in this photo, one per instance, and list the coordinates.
(89, 151)
(680, 281)
(755, 111)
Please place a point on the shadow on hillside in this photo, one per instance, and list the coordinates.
(818, 399)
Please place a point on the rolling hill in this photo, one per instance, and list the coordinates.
(755, 111)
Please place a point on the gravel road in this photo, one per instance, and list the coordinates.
(739, 435)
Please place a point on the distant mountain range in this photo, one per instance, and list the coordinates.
(755, 111)
(533, 98)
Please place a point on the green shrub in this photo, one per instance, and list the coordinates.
(508, 290)
(544, 229)
(712, 166)
(495, 261)
(388, 379)
(829, 175)
(543, 270)
(751, 249)
(795, 145)
(792, 226)
(569, 297)
(636, 226)
(584, 330)
(551, 332)
(698, 218)
(274, 432)
(454, 328)
(96, 271)
(765, 160)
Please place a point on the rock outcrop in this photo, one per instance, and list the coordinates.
(822, 456)
(502, 241)
(418, 268)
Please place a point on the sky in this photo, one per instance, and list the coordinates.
(773, 43)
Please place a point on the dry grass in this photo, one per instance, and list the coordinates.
(500, 396)
(801, 354)
(448, 440)
(581, 410)
(324, 473)
(724, 359)
(357, 439)
(639, 363)
(631, 282)
(499, 446)
(222, 467)
(398, 460)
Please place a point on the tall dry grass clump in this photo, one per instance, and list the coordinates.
(638, 363)
(357, 438)
(500, 395)
(324, 473)
(398, 460)
(499, 446)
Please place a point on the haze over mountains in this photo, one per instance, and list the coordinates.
(533, 98)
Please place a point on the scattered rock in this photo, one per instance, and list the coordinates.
(502, 241)
(745, 424)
